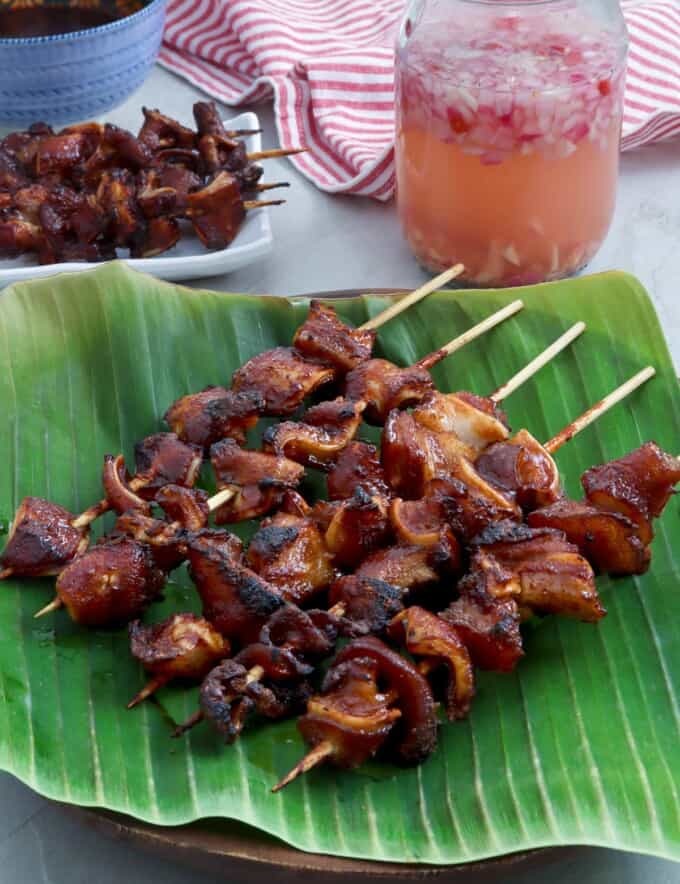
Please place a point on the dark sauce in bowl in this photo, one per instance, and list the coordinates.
(46, 21)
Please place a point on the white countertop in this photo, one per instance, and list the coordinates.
(321, 243)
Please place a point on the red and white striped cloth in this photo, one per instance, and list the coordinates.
(328, 65)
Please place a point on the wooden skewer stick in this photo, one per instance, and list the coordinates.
(536, 364)
(6, 572)
(598, 409)
(261, 187)
(54, 605)
(315, 756)
(240, 133)
(415, 296)
(338, 610)
(149, 688)
(258, 204)
(274, 152)
(481, 328)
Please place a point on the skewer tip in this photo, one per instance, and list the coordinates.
(5, 573)
(187, 725)
(312, 758)
(258, 204)
(54, 605)
(149, 688)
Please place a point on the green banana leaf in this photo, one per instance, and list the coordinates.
(579, 746)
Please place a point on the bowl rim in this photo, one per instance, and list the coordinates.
(85, 32)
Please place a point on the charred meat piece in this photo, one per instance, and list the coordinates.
(609, 541)
(385, 386)
(119, 495)
(357, 527)
(283, 377)
(43, 539)
(160, 131)
(153, 237)
(415, 736)
(217, 211)
(183, 646)
(418, 522)
(322, 433)
(60, 154)
(111, 583)
(476, 421)
(310, 635)
(236, 600)
(638, 486)
(116, 195)
(523, 469)
(163, 459)
(188, 506)
(552, 576)
(259, 479)
(325, 337)
(469, 502)
(429, 637)
(214, 414)
(488, 627)
(357, 468)
(166, 540)
(365, 603)
(289, 552)
(413, 455)
(228, 697)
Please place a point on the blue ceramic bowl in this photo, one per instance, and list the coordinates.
(72, 77)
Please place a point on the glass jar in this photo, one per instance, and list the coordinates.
(508, 121)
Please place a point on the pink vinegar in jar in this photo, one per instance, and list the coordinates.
(508, 128)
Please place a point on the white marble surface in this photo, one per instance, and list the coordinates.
(324, 242)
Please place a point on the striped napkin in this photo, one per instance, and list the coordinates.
(328, 65)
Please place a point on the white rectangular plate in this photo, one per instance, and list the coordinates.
(189, 259)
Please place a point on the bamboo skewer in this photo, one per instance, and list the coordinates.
(258, 204)
(537, 363)
(272, 186)
(595, 411)
(468, 336)
(274, 152)
(415, 296)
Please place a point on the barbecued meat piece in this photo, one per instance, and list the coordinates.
(113, 582)
(154, 236)
(551, 575)
(322, 433)
(406, 567)
(523, 469)
(637, 485)
(259, 479)
(289, 552)
(119, 495)
(183, 646)
(609, 541)
(188, 506)
(43, 539)
(163, 459)
(366, 604)
(357, 527)
(214, 414)
(283, 377)
(385, 386)
(488, 627)
(160, 131)
(236, 600)
(311, 635)
(216, 211)
(412, 455)
(116, 195)
(418, 522)
(476, 421)
(166, 540)
(324, 336)
(415, 736)
(434, 640)
(357, 468)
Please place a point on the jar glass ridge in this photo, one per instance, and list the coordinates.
(508, 120)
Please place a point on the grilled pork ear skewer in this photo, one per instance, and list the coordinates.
(45, 537)
(79, 573)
